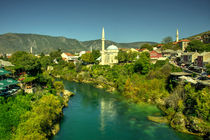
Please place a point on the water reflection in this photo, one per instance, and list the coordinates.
(107, 113)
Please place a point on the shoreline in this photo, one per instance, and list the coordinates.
(162, 119)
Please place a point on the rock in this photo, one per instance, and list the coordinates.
(66, 95)
(197, 125)
(179, 122)
(55, 128)
(158, 119)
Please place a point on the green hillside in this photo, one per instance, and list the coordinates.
(12, 42)
(198, 35)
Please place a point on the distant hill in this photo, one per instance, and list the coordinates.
(12, 42)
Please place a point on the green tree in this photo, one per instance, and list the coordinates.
(58, 86)
(142, 65)
(167, 39)
(122, 56)
(196, 45)
(26, 62)
(147, 46)
(88, 58)
(96, 54)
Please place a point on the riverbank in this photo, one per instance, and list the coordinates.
(99, 115)
(66, 97)
(176, 120)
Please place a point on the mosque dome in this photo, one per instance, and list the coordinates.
(112, 47)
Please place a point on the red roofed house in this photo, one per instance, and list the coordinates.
(68, 57)
(155, 55)
(183, 44)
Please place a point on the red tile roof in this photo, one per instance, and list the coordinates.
(154, 54)
(69, 54)
(184, 40)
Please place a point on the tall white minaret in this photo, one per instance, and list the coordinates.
(103, 39)
(102, 51)
(177, 35)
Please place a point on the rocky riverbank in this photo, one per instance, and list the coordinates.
(66, 97)
(176, 120)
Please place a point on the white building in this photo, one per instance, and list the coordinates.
(69, 57)
(109, 55)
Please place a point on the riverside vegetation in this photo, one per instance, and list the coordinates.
(32, 116)
(185, 108)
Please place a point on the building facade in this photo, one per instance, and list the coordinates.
(109, 55)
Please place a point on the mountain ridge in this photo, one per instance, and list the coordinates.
(11, 42)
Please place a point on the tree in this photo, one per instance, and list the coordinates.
(88, 58)
(142, 65)
(58, 86)
(96, 54)
(45, 61)
(167, 39)
(26, 62)
(147, 46)
(199, 46)
(122, 56)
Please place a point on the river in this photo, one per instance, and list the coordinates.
(94, 114)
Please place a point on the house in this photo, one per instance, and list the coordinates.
(189, 57)
(155, 55)
(168, 53)
(183, 44)
(203, 59)
(69, 57)
(143, 50)
(132, 50)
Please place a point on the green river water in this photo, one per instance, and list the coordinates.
(94, 114)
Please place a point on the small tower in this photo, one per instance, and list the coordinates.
(177, 35)
(31, 50)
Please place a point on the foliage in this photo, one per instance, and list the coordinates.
(197, 103)
(171, 46)
(142, 65)
(96, 54)
(147, 46)
(45, 61)
(10, 114)
(167, 39)
(88, 58)
(26, 62)
(58, 86)
(196, 45)
(36, 123)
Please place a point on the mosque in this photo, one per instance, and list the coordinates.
(109, 55)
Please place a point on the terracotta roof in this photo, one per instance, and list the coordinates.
(69, 54)
(88, 52)
(184, 40)
(159, 45)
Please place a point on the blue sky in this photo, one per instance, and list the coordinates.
(123, 20)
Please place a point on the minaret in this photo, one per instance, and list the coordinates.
(102, 51)
(177, 35)
(103, 39)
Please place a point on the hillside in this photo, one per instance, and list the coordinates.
(12, 42)
(197, 35)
